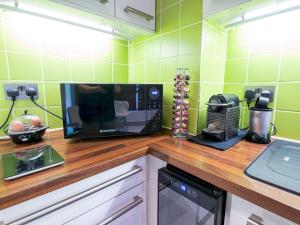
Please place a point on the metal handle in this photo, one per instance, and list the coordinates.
(254, 220)
(103, 1)
(129, 9)
(219, 104)
(74, 198)
(136, 201)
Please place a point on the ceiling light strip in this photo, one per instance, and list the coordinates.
(16, 9)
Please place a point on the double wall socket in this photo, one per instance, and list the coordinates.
(258, 90)
(21, 89)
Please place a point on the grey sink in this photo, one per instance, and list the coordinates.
(278, 165)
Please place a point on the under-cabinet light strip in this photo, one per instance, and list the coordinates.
(243, 20)
(16, 9)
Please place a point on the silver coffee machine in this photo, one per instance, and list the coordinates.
(260, 122)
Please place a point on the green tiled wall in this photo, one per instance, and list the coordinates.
(177, 43)
(48, 53)
(213, 57)
(267, 52)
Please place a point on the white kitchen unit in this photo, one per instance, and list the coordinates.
(214, 6)
(119, 194)
(141, 13)
(154, 164)
(242, 212)
(97, 7)
(134, 12)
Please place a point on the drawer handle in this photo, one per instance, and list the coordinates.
(104, 1)
(74, 198)
(136, 201)
(129, 9)
(254, 220)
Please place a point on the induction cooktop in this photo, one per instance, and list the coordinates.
(278, 165)
(18, 164)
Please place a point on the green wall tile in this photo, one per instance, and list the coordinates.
(290, 67)
(139, 52)
(170, 18)
(192, 62)
(263, 68)
(166, 3)
(103, 72)
(121, 54)
(168, 94)
(194, 94)
(120, 73)
(153, 72)
(208, 38)
(24, 66)
(168, 69)
(169, 44)
(167, 116)
(191, 12)
(103, 55)
(193, 119)
(207, 68)
(2, 45)
(153, 49)
(236, 70)
(237, 89)
(287, 124)
(54, 122)
(81, 70)
(237, 46)
(56, 68)
(190, 39)
(52, 93)
(3, 67)
(219, 70)
(288, 96)
(139, 73)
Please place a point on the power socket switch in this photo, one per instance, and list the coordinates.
(22, 90)
(261, 90)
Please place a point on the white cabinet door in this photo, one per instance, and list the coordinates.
(242, 212)
(73, 200)
(141, 13)
(127, 208)
(214, 6)
(154, 164)
(98, 7)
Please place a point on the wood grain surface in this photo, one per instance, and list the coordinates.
(89, 157)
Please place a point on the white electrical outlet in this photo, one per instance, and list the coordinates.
(21, 89)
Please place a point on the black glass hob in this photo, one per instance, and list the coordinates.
(18, 164)
(278, 165)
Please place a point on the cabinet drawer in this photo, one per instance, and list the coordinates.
(242, 212)
(88, 193)
(141, 13)
(127, 208)
(98, 7)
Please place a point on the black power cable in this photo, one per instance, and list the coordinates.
(10, 111)
(53, 114)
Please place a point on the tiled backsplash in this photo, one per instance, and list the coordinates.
(267, 52)
(48, 53)
(177, 43)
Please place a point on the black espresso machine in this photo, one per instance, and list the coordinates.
(223, 114)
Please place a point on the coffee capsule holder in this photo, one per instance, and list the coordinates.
(181, 103)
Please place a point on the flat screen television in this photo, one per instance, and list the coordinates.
(101, 110)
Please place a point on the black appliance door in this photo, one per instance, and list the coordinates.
(185, 200)
(97, 110)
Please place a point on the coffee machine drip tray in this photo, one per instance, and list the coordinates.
(278, 165)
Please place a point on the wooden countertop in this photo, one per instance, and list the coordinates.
(87, 158)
